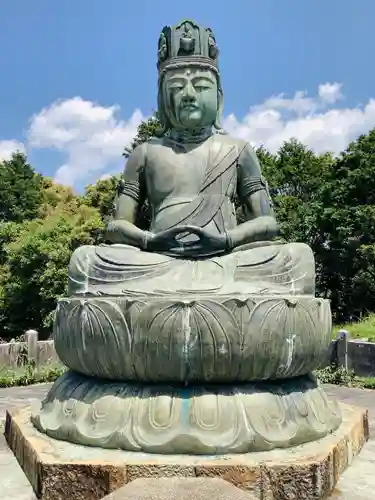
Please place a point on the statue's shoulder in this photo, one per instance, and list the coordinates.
(146, 150)
(143, 147)
(155, 150)
(155, 142)
(229, 140)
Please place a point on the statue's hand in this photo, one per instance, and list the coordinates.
(205, 243)
(166, 240)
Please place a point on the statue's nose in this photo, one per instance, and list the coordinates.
(189, 93)
(189, 100)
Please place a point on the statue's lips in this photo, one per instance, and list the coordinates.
(189, 108)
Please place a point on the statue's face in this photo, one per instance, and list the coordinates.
(193, 97)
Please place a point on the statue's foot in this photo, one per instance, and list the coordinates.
(211, 420)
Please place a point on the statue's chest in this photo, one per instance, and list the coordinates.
(177, 173)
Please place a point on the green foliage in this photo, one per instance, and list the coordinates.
(37, 263)
(20, 190)
(348, 223)
(101, 195)
(336, 376)
(145, 131)
(363, 329)
(28, 374)
(296, 178)
(365, 382)
(339, 376)
(8, 232)
(54, 195)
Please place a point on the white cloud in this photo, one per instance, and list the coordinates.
(105, 176)
(9, 147)
(91, 137)
(330, 92)
(312, 120)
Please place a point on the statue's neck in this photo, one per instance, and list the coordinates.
(190, 136)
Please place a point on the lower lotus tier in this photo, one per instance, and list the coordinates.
(200, 420)
(187, 338)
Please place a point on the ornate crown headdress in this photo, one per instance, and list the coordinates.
(187, 43)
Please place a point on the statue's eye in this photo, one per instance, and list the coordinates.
(176, 87)
(202, 86)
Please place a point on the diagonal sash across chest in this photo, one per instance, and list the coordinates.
(202, 209)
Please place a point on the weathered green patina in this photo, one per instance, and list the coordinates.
(191, 176)
(195, 299)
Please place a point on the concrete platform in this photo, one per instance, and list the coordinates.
(59, 470)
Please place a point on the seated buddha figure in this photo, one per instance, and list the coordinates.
(191, 175)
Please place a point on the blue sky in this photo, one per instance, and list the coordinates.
(104, 53)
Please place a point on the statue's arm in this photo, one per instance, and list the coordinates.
(252, 191)
(130, 197)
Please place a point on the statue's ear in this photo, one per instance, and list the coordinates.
(220, 106)
(162, 117)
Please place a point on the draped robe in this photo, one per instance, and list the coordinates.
(204, 198)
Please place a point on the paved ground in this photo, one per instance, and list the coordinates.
(13, 483)
(358, 482)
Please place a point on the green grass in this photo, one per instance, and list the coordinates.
(338, 376)
(28, 375)
(361, 329)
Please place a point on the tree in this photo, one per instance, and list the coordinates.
(54, 195)
(348, 226)
(35, 273)
(145, 131)
(20, 190)
(101, 195)
(297, 177)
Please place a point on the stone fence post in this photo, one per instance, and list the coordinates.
(32, 346)
(342, 349)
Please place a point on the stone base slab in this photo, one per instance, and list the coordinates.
(59, 470)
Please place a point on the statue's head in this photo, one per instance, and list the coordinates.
(189, 94)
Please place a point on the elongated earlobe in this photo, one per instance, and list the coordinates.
(220, 106)
(164, 122)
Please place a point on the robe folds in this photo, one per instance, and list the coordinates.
(261, 268)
